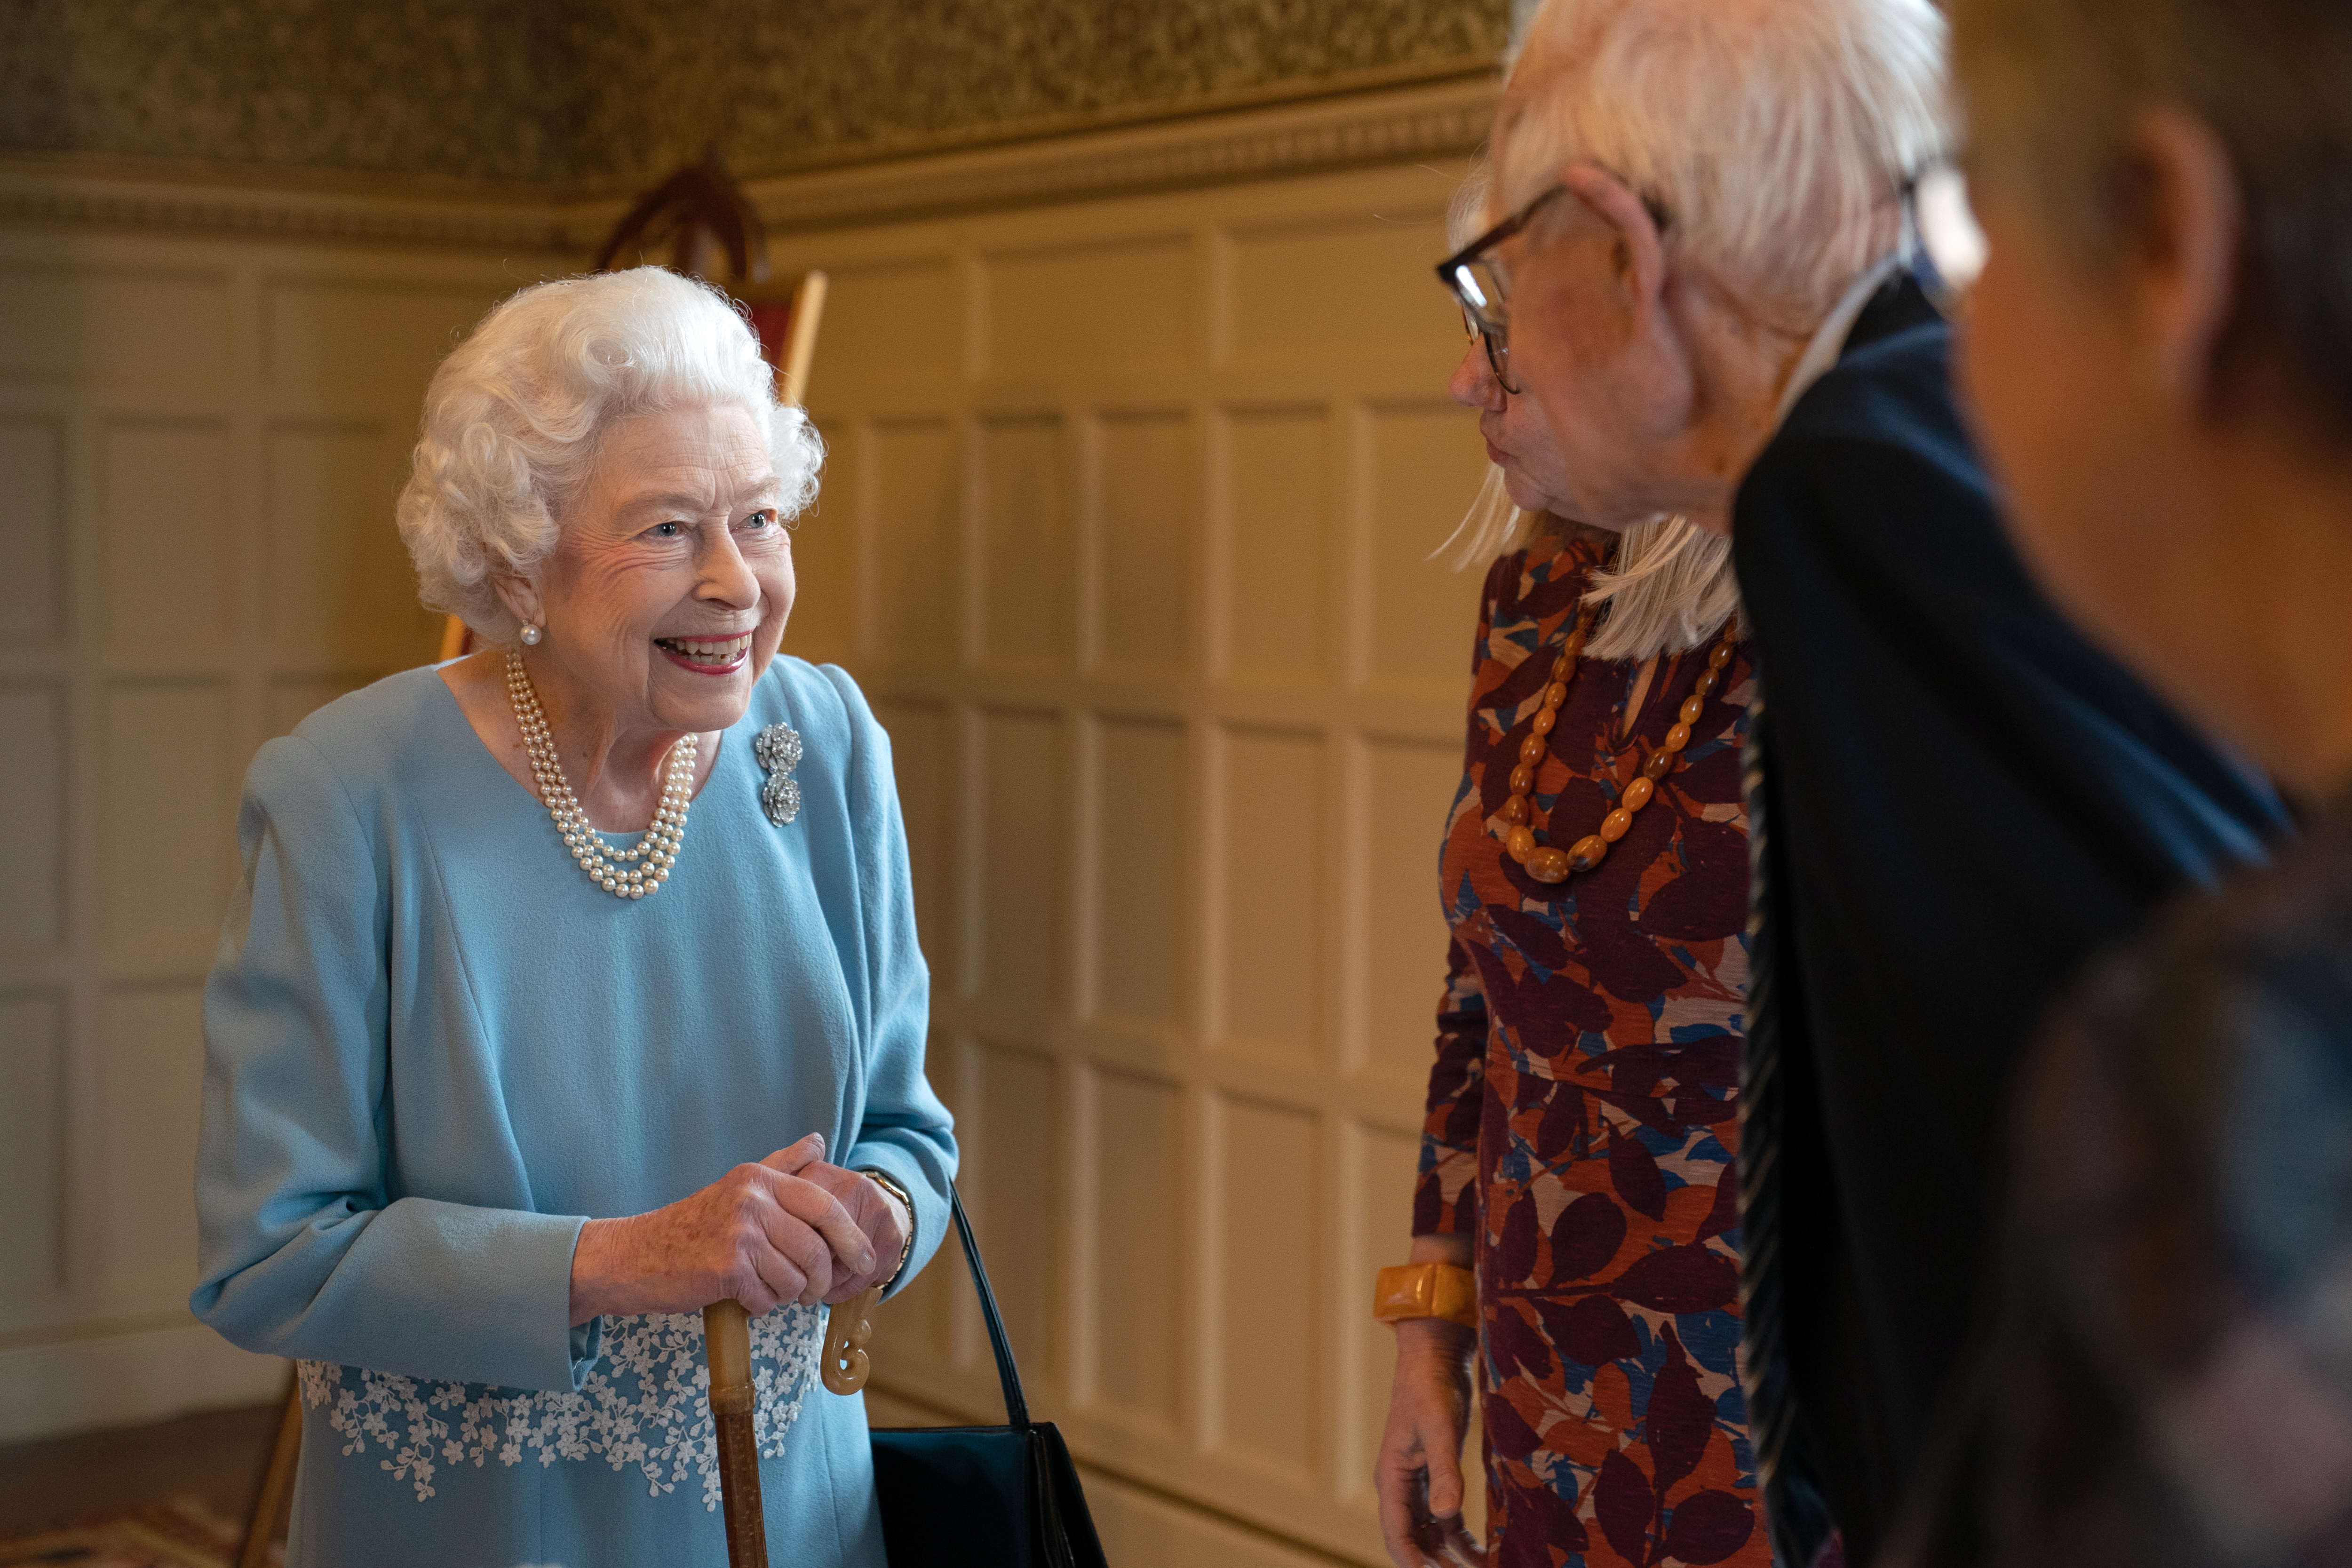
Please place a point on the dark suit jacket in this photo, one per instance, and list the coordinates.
(1963, 800)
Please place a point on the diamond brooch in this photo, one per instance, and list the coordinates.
(778, 748)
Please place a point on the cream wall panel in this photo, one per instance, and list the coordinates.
(1422, 615)
(1279, 566)
(364, 344)
(170, 573)
(33, 766)
(1147, 481)
(337, 586)
(1133, 1199)
(826, 600)
(151, 331)
(32, 1147)
(1019, 1202)
(1335, 288)
(1272, 894)
(918, 489)
(32, 528)
(1073, 307)
(1138, 918)
(170, 795)
(1270, 1306)
(1028, 563)
(1408, 788)
(890, 324)
(1025, 805)
(150, 1082)
(922, 754)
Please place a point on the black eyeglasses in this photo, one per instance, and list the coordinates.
(1476, 285)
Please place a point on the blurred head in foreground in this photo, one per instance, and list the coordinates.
(2159, 357)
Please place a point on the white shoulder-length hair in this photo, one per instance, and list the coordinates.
(1668, 583)
(1775, 135)
(514, 416)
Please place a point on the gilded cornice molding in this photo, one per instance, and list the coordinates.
(1391, 128)
(76, 197)
(1398, 125)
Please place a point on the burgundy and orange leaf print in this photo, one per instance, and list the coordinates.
(1581, 1108)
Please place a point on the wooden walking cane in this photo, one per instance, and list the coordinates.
(726, 1340)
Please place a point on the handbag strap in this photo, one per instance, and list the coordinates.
(1016, 1406)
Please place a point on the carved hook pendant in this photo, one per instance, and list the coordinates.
(847, 1326)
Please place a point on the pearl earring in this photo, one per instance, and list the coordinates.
(530, 635)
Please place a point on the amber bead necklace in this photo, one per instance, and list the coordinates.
(1543, 861)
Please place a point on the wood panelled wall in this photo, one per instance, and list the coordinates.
(200, 441)
(1125, 529)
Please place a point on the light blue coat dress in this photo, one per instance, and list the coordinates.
(433, 1050)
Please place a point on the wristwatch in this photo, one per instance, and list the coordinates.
(1426, 1290)
(884, 1180)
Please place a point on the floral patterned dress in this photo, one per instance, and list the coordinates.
(1581, 1108)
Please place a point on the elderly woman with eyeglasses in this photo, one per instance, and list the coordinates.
(497, 1100)
(1595, 875)
(1708, 284)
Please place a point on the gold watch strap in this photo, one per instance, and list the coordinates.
(888, 1183)
(1426, 1290)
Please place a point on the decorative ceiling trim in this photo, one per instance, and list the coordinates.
(1441, 120)
(84, 200)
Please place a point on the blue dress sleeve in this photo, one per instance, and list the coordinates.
(905, 1131)
(303, 1251)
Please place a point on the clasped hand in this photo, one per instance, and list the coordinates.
(790, 1228)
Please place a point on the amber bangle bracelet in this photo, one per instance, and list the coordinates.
(1426, 1290)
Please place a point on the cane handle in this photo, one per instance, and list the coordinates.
(727, 1337)
(847, 1326)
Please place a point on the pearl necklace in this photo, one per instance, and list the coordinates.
(1542, 861)
(611, 869)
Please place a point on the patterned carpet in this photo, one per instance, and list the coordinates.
(177, 1535)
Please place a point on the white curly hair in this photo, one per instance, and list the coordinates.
(513, 418)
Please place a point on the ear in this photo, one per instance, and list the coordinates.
(2183, 225)
(520, 596)
(1638, 249)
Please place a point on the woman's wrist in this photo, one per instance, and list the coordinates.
(591, 1269)
(1455, 1248)
(1439, 1340)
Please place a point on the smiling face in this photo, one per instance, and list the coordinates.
(672, 576)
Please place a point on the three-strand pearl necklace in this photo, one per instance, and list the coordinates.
(617, 871)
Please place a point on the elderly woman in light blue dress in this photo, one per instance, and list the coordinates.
(573, 986)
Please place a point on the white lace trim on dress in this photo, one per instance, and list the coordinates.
(647, 1403)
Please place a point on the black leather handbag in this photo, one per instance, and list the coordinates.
(984, 1496)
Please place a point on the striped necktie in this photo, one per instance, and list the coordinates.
(1794, 1509)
